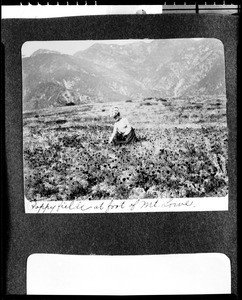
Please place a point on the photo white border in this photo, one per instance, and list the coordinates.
(165, 274)
(127, 206)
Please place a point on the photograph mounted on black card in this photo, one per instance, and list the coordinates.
(113, 126)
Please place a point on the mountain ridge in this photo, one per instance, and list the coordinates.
(109, 72)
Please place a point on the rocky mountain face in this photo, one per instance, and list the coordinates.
(111, 72)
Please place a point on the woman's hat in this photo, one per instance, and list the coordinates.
(114, 111)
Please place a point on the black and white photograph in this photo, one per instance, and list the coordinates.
(124, 125)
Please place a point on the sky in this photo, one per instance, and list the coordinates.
(69, 47)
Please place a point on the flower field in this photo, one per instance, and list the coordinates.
(69, 158)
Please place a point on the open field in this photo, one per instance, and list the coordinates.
(182, 151)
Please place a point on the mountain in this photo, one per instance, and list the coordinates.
(44, 51)
(111, 72)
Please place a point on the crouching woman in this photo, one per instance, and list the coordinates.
(123, 133)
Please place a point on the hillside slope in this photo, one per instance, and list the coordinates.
(111, 72)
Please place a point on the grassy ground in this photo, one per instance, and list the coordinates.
(182, 151)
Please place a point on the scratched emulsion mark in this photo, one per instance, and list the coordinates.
(124, 126)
